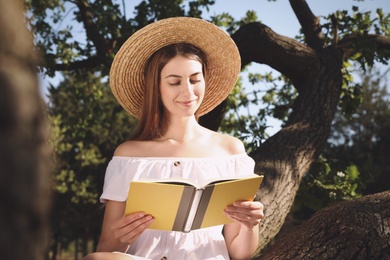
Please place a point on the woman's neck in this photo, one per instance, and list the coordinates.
(182, 130)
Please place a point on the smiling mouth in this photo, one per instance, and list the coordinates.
(187, 103)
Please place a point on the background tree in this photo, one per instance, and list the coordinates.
(354, 162)
(87, 123)
(24, 153)
(362, 139)
(314, 69)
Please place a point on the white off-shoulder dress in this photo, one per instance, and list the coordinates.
(206, 243)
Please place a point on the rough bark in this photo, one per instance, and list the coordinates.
(357, 229)
(24, 171)
(285, 157)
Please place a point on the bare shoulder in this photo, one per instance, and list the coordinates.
(232, 144)
(131, 149)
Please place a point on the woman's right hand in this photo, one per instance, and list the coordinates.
(119, 231)
(128, 228)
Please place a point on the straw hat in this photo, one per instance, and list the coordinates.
(223, 60)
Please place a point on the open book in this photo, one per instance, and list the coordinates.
(182, 205)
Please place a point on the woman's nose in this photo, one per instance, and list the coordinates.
(187, 87)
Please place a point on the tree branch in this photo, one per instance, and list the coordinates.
(101, 44)
(357, 229)
(91, 62)
(258, 43)
(285, 157)
(213, 119)
(311, 26)
(355, 43)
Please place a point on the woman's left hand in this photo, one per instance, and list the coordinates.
(248, 213)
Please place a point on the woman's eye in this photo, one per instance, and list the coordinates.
(177, 83)
(194, 81)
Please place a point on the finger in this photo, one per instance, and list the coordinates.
(254, 213)
(244, 215)
(249, 204)
(134, 217)
(124, 221)
(135, 229)
(131, 226)
(248, 224)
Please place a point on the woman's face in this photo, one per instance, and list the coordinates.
(182, 86)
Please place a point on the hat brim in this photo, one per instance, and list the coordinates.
(223, 60)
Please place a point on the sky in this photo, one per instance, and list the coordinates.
(278, 15)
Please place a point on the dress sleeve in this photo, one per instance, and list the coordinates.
(116, 185)
(245, 165)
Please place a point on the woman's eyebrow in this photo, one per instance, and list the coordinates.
(178, 76)
(173, 76)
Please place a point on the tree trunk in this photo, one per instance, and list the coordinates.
(358, 229)
(285, 157)
(24, 153)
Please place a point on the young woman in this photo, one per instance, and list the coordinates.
(167, 75)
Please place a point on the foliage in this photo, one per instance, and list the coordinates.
(359, 23)
(64, 35)
(363, 138)
(355, 161)
(250, 108)
(272, 96)
(326, 186)
(225, 20)
(342, 26)
(87, 125)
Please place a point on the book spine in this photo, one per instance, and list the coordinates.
(203, 204)
(184, 208)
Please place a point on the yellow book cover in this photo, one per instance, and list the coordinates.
(182, 205)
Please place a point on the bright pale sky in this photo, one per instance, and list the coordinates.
(280, 17)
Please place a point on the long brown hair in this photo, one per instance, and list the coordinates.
(153, 124)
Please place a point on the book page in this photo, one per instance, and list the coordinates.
(230, 178)
(193, 210)
(173, 181)
(195, 184)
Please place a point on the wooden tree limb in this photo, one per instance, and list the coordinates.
(355, 43)
(286, 157)
(89, 63)
(358, 229)
(310, 24)
(213, 119)
(258, 43)
(101, 44)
